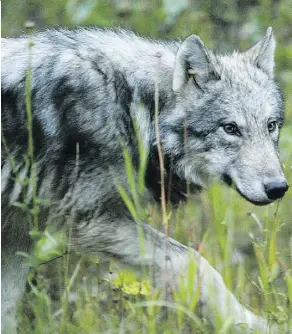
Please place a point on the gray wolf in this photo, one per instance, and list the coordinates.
(89, 87)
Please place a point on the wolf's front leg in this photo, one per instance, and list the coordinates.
(140, 245)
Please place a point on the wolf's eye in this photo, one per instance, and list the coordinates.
(272, 126)
(231, 129)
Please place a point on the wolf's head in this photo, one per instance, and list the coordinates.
(227, 119)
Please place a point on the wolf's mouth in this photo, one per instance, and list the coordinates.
(228, 180)
(258, 203)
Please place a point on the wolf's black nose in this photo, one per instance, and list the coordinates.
(276, 189)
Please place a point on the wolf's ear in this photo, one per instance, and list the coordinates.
(262, 53)
(192, 59)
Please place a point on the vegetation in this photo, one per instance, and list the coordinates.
(250, 246)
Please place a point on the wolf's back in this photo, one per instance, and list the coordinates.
(81, 93)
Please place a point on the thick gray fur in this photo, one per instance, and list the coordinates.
(89, 87)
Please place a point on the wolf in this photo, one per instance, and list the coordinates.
(202, 117)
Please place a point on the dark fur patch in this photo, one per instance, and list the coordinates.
(14, 120)
(175, 187)
(124, 97)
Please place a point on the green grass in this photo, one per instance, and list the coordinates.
(79, 295)
(94, 303)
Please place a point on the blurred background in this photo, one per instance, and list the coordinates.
(250, 246)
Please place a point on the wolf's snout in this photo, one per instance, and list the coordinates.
(276, 189)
